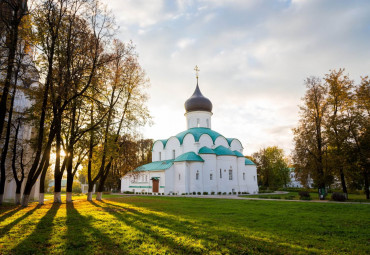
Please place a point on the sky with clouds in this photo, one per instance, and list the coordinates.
(253, 57)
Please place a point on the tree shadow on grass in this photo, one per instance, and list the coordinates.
(83, 238)
(214, 239)
(8, 227)
(38, 241)
(8, 212)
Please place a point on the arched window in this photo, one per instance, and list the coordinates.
(173, 154)
(160, 156)
(197, 175)
(211, 177)
(179, 177)
(198, 123)
(244, 176)
(230, 174)
(220, 173)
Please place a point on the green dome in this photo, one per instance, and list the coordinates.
(206, 150)
(223, 151)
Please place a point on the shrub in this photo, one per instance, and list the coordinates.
(76, 187)
(205, 193)
(289, 197)
(182, 194)
(337, 196)
(275, 197)
(304, 195)
(212, 193)
(162, 194)
(224, 193)
(239, 193)
(229, 193)
(199, 193)
(219, 193)
(194, 193)
(234, 193)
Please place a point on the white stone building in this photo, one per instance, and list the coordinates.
(195, 160)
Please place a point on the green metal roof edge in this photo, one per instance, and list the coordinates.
(249, 162)
(230, 140)
(189, 156)
(163, 141)
(156, 165)
(238, 154)
(214, 135)
(206, 150)
(223, 151)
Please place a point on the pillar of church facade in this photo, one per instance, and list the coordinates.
(198, 119)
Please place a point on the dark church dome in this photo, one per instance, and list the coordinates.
(198, 102)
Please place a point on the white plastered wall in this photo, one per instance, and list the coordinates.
(198, 119)
(141, 181)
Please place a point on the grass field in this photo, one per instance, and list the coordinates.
(179, 225)
(313, 195)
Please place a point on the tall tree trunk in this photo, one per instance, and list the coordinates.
(18, 12)
(6, 144)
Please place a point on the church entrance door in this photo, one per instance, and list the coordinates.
(155, 186)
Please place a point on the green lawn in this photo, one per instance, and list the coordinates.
(313, 195)
(180, 225)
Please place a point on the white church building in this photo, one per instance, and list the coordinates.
(198, 159)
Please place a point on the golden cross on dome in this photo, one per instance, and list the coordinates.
(196, 69)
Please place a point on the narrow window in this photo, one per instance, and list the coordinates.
(207, 123)
(160, 156)
(197, 175)
(220, 173)
(230, 174)
(198, 124)
(254, 177)
(244, 176)
(211, 177)
(179, 177)
(173, 154)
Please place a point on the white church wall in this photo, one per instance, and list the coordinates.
(189, 144)
(209, 167)
(236, 145)
(157, 148)
(169, 177)
(205, 140)
(226, 163)
(252, 184)
(180, 174)
(196, 185)
(242, 175)
(221, 141)
(173, 144)
(142, 181)
(198, 119)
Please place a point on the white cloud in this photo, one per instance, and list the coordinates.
(253, 56)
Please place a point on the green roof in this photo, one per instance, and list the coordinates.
(248, 162)
(238, 154)
(156, 165)
(222, 150)
(197, 133)
(206, 150)
(189, 156)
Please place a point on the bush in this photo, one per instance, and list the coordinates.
(76, 187)
(219, 193)
(229, 193)
(239, 193)
(199, 193)
(337, 196)
(224, 193)
(304, 195)
(205, 193)
(265, 191)
(234, 193)
(128, 192)
(212, 193)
